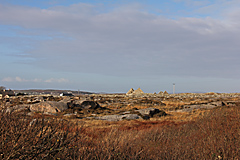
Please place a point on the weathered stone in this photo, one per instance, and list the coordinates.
(90, 105)
(148, 111)
(165, 92)
(218, 103)
(17, 108)
(130, 91)
(151, 112)
(70, 115)
(66, 100)
(79, 102)
(130, 117)
(189, 108)
(138, 91)
(48, 107)
(161, 92)
(119, 117)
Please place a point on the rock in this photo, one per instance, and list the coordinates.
(165, 92)
(90, 105)
(119, 117)
(66, 100)
(151, 112)
(40, 99)
(48, 107)
(161, 92)
(138, 91)
(131, 117)
(130, 91)
(70, 115)
(50, 114)
(17, 108)
(189, 108)
(218, 103)
(77, 103)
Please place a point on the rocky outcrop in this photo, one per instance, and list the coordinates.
(130, 91)
(165, 93)
(135, 92)
(89, 105)
(190, 108)
(131, 115)
(119, 117)
(117, 107)
(151, 112)
(138, 91)
(17, 108)
(48, 107)
(219, 103)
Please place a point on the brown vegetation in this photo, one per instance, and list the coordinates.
(215, 135)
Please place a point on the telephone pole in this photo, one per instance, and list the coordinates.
(173, 88)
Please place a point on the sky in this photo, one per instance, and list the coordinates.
(114, 45)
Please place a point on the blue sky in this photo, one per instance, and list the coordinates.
(115, 45)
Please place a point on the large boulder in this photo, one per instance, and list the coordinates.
(48, 107)
(17, 108)
(190, 108)
(89, 105)
(218, 103)
(151, 112)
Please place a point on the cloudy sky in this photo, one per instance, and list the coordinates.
(115, 45)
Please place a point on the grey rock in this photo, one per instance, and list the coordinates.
(90, 105)
(79, 102)
(148, 111)
(50, 114)
(17, 108)
(189, 108)
(130, 116)
(66, 100)
(70, 115)
(119, 117)
(48, 107)
(219, 103)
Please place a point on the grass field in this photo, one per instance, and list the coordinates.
(210, 135)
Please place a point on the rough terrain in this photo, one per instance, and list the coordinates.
(118, 107)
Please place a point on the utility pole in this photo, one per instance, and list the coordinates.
(173, 88)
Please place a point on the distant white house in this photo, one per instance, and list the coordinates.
(66, 94)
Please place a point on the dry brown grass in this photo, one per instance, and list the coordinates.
(210, 134)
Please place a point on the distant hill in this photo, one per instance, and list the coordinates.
(50, 91)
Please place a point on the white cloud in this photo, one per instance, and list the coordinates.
(36, 80)
(53, 80)
(7, 79)
(16, 79)
(194, 3)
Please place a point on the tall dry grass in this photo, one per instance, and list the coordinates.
(215, 136)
